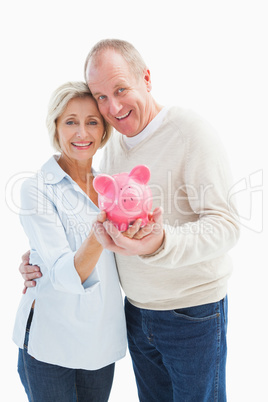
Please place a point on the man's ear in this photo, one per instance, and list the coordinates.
(147, 79)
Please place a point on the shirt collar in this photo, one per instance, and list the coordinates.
(52, 172)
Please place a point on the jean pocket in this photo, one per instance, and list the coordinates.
(201, 313)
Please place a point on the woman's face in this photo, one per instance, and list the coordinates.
(80, 129)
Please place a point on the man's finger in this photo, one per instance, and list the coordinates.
(145, 231)
(157, 215)
(31, 276)
(132, 230)
(26, 258)
(29, 269)
(29, 284)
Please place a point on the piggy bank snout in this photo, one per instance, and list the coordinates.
(130, 199)
(125, 196)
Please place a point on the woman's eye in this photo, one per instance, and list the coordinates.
(92, 123)
(69, 123)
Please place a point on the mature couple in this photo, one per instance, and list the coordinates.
(71, 327)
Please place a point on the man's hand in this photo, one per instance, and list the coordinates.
(147, 240)
(28, 272)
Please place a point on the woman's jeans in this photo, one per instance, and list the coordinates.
(179, 355)
(50, 383)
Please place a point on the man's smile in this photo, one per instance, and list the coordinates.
(123, 116)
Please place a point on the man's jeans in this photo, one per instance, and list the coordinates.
(179, 355)
(50, 383)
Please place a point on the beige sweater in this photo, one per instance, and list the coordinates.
(190, 179)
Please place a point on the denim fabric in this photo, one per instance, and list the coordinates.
(179, 355)
(50, 383)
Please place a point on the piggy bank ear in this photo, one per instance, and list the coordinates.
(140, 174)
(104, 184)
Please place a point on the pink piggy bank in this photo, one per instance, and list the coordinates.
(125, 197)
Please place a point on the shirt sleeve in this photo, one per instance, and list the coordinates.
(48, 240)
(207, 181)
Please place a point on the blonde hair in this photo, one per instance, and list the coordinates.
(58, 103)
(125, 49)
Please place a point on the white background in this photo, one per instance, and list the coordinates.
(208, 55)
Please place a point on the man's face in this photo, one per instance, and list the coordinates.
(123, 99)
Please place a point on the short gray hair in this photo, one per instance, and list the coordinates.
(127, 50)
(58, 103)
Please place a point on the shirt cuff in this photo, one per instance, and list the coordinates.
(65, 278)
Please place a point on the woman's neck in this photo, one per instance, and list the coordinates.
(80, 172)
(77, 170)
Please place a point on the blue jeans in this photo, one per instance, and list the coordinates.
(179, 355)
(45, 382)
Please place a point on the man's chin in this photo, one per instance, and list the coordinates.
(127, 131)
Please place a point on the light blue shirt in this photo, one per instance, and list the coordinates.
(74, 325)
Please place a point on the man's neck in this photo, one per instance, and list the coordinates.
(155, 108)
(154, 124)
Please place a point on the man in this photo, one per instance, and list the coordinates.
(175, 279)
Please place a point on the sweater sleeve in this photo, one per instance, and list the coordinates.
(48, 240)
(207, 182)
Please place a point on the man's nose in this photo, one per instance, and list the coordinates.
(114, 106)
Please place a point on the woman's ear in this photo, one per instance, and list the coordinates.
(57, 140)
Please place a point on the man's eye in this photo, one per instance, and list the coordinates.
(121, 90)
(101, 97)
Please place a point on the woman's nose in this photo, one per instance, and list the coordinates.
(82, 132)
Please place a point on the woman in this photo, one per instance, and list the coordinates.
(74, 318)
